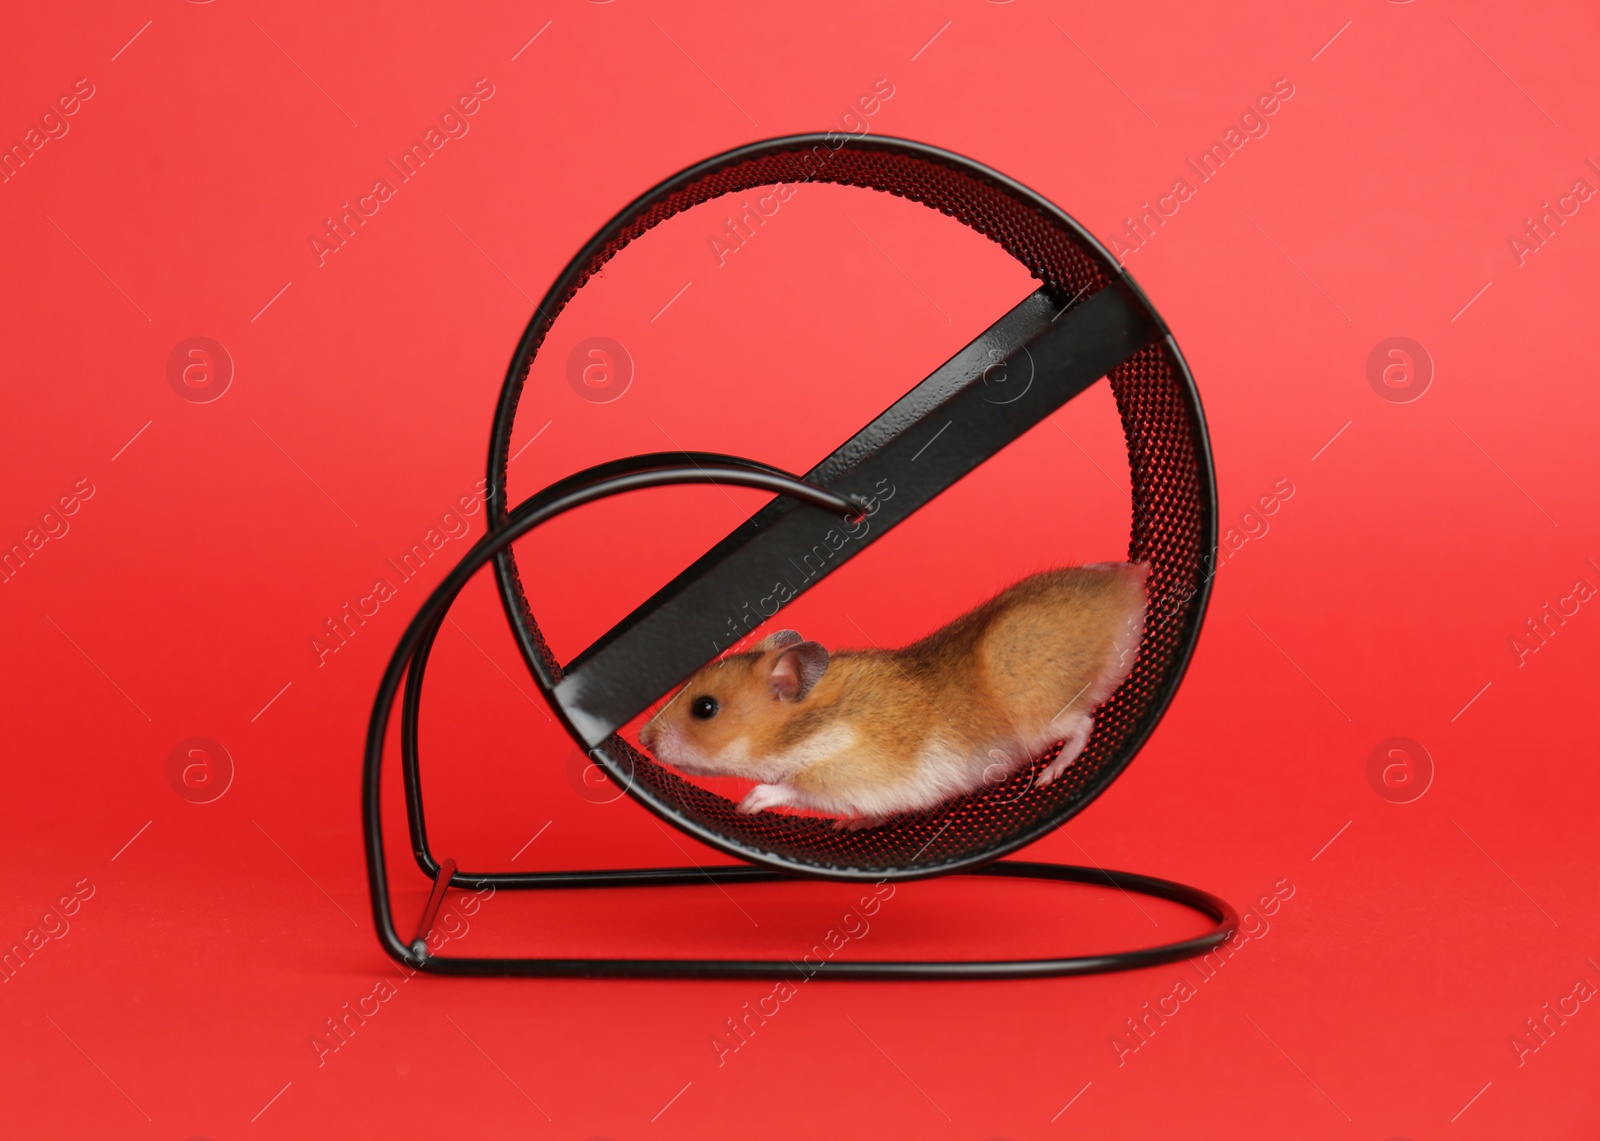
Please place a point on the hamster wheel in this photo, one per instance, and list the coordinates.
(1086, 321)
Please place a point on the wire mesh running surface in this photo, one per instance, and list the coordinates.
(1173, 521)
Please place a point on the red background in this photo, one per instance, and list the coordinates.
(221, 536)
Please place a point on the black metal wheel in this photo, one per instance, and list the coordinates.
(1087, 315)
(1086, 321)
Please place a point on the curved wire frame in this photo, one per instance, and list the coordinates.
(1173, 527)
(408, 664)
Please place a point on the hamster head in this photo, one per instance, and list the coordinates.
(721, 721)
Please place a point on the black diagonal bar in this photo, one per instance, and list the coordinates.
(1018, 371)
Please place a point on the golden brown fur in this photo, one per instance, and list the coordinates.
(865, 734)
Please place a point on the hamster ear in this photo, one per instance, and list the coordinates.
(778, 640)
(797, 669)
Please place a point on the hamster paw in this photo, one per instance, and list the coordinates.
(1054, 769)
(856, 823)
(765, 796)
(1077, 728)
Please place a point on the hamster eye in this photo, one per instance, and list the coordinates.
(703, 708)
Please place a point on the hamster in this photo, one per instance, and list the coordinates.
(866, 735)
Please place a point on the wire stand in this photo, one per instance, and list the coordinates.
(1088, 320)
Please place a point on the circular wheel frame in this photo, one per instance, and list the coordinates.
(1173, 522)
